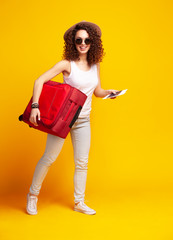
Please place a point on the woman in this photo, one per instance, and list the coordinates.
(80, 67)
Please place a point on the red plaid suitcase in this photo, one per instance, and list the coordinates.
(59, 105)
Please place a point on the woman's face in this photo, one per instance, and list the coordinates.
(83, 47)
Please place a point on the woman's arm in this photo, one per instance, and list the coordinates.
(46, 76)
(38, 85)
(99, 91)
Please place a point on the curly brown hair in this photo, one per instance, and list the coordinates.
(96, 52)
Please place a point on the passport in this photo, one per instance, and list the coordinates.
(118, 93)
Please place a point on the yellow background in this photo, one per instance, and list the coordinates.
(129, 181)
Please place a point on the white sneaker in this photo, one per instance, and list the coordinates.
(31, 207)
(83, 208)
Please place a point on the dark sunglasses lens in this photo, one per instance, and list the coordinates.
(87, 41)
(78, 41)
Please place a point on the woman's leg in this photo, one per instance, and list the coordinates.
(54, 145)
(80, 136)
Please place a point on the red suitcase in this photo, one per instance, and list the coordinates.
(59, 105)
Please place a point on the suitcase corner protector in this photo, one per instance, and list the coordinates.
(21, 117)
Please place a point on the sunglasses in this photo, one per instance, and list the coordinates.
(78, 41)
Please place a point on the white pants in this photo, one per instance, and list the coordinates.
(80, 136)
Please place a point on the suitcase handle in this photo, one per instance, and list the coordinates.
(75, 116)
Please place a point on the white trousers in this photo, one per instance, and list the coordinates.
(80, 136)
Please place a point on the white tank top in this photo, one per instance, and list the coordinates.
(86, 82)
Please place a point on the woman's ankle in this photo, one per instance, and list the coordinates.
(31, 194)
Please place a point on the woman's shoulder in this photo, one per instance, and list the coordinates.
(66, 62)
(98, 66)
(67, 66)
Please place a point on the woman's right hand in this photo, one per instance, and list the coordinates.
(33, 116)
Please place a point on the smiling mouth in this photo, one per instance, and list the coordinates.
(83, 48)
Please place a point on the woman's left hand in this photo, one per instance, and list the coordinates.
(112, 91)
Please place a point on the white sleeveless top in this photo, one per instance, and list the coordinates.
(86, 82)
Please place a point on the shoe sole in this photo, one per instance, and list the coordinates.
(30, 213)
(84, 212)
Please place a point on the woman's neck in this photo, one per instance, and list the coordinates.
(83, 58)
